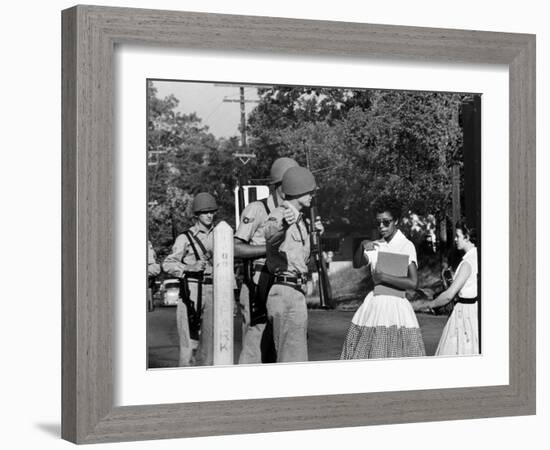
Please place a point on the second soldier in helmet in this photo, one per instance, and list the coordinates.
(250, 245)
(288, 252)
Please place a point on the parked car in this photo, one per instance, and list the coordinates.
(170, 292)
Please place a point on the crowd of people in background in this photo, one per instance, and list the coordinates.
(273, 238)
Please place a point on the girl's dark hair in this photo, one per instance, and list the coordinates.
(388, 204)
(467, 230)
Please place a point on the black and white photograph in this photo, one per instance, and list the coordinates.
(290, 223)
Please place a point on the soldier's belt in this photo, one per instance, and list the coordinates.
(298, 281)
(204, 280)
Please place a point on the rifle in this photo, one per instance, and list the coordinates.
(193, 314)
(325, 289)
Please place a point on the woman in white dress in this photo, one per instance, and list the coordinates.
(385, 326)
(460, 335)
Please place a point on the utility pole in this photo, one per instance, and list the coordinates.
(244, 155)
(243, 118)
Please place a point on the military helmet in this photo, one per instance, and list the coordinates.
(204, 202)
(279, 167)
(298, 181)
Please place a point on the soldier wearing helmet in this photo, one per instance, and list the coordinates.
(191, 262)
(288, 252)
(250, 245)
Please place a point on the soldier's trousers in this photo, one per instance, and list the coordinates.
(287, 311)
(252, 334)
(192, 352)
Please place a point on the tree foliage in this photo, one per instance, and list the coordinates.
(184, 159)
(364, 144)
(361, 144)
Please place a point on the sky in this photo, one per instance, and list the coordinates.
(206, 100)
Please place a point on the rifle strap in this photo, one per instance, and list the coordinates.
(191, 241)
(201, 246)
(263, 201)
(199, 299)
(300, 229)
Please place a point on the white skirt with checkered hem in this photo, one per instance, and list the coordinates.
(384, 326)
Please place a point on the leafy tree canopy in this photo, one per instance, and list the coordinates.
(184, 159)
(363, 144)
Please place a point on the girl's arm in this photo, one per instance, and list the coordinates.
(459, 281)
(403, 283)
(359, 257)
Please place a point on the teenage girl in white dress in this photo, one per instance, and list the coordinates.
(460, 335)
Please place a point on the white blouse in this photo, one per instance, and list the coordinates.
(469, 290)
(398, 244)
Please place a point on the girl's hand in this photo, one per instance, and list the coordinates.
(369, 246)
(422, 306)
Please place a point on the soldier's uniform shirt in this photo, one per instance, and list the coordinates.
(251, 231)
(180, 260)
(288, 252)
(252, 223)
(183, 257)
(288, 247)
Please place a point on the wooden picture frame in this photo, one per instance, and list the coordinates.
(89, 37)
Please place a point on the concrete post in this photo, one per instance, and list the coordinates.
(223, 294)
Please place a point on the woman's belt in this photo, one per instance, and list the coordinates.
(466, 301)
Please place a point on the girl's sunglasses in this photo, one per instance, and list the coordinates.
(385, 222)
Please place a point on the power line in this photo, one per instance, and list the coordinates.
(213, 111)
(324, 169)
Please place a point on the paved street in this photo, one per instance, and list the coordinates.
(326, 334)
